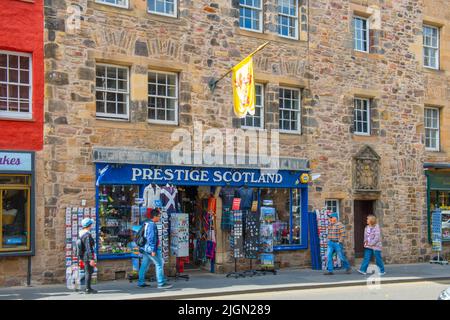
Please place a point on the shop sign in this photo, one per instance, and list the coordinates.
(142, 174)
(12, 161)
(439, 181)
(437, 230)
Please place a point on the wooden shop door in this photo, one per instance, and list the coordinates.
(362, 209)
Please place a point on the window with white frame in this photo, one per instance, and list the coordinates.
(332, 205)
(431, 47)
(116, 3)
(289, 100)
(432, 129)
(112, 91)
(288, 18)
(15, 85)
(362, 116)
(360, 34)
(162, 97)
(163, 7)
(257, 120)
(250, 17)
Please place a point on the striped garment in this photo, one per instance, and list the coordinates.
(336, 232)
(372, 238)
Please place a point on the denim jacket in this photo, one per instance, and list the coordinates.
(151, 235)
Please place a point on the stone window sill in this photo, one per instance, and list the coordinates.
(362, 54)
(433, 71)
(267, 36)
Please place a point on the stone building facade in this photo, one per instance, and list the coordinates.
(204, 40)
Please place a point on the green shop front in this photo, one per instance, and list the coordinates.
(438, 196)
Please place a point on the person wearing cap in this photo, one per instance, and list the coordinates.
(89, 255)
(336, 235)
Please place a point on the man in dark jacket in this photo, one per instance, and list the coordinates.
(89, 255)
(151, 252)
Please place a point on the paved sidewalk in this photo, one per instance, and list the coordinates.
(207, 284)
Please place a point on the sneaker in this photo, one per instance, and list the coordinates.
(382, 273)
(91, 291)
(165, 286)
(143, 285)
(363, 273)
(348, 271)
(328, 273)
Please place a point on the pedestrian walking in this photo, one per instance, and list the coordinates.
(336, 236)
(151, 252)
(87, 252)
(372, 246)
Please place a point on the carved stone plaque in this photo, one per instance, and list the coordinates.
(367, 163)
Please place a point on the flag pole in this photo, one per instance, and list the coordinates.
(213, 83)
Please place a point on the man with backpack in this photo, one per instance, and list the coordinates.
(85, 247)
(149, 246)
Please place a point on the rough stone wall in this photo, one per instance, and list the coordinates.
(205, 41)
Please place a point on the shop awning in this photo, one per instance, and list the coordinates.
(436, 165)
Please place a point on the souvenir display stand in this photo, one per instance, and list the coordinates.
(436, 225)
(74, 270)
(237, 242)
(251, 244)
(179, 242)
(267, 257)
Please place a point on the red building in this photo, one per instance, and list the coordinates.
(21, 74)
(21, 127)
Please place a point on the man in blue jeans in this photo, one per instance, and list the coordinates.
(336, 235)
(151, 252)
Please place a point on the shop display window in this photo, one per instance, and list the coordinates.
(441, 200)
(15, 213)
(287, 226)
(115, 214)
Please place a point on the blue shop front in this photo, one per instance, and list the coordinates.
(206, 195)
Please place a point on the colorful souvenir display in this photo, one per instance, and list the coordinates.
(322, 225)
(74, 273)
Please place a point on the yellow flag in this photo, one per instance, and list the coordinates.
(244, 88)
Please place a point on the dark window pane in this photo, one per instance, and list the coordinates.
(3, 105)
(13, 75)
(161, 114)
(152, 89)
(121, 108)
(112, 84)
(24, 63)
(13, 61)
(151, 114)
(24, 77)
(111, 107)
(24, 92)
(13, 91)
(3, 74)
(13, 106)
(3, 60)
(3, 90)
(24, 107)
(100, 106)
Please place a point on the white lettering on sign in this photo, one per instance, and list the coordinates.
(136, 173)
(204, 176)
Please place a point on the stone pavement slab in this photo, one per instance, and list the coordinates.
(207, 284)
